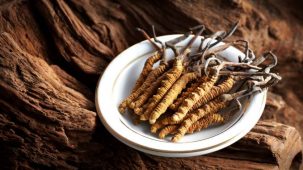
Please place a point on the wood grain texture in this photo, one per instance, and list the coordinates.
(53, 51)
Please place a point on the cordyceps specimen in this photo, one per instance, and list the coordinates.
(197, 126)
(148, 66)
(171, 76)
(215, 91)
(171, 95)
(204, 87)
(193, 90)
(187, 91)
(209, 108)
(148, 74)
(194, 96)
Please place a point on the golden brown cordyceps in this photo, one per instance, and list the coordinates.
(160, 124)
(197, 126)
(171, 95)
(211, 107)
(160, 54)
(204, 88)
(194, 97)
(214, 92)
(177, 98)
(167, 130)
(150, 78)
(146, 94)
(184, 94)
(148, 67)
(163, 122)
(139, 110)
(205, 122)
(171, 76)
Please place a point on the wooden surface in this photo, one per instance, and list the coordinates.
(53, 52)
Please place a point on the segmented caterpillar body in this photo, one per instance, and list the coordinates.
(170, 77)
(214, 92)
(211, 107)
(139, 110)
(197, 126)
(194, 97)
(146, 94)
(167, 130)
(185, 94)
(162, 123)
(205, 122)
(171, 95)
(152, 76)
(148, 67)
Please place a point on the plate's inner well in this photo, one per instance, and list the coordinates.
(122, 88)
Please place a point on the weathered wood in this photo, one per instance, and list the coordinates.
(52, 53)
(268, 142)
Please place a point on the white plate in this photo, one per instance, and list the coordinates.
(117, 82)
(200, 152)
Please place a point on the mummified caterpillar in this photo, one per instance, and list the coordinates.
(137, 103)
(197, 126)
(139, 110)
(184, 94)
(171, 95)
(205, 122)
(214, 92)
(171, 76)
(148, 75)
(194, 97)
(148, 67)
(211, 107)
(160, 124)
(168, 130)
(165, 121)
(150, 78)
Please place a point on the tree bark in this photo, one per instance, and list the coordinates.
(53, 52)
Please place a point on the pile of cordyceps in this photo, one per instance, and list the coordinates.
(186, 94)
